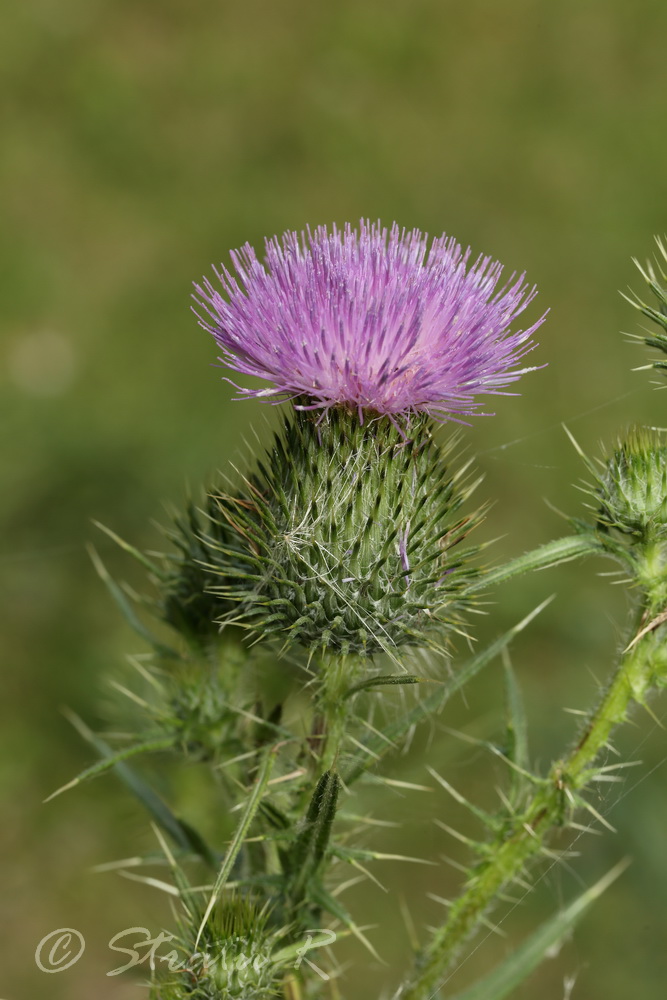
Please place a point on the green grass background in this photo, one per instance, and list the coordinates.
(143, 139)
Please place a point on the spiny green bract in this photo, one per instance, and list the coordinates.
(348, 534)
(633, 488)
(655, 276)
(186, 602)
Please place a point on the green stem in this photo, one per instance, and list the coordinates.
(338, 673)
(642, 665)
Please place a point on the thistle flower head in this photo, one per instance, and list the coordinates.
(199, 711)
(352, 537)
(369, 318)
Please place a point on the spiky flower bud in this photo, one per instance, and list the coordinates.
(235, 959)
(349, 535)
(199, 707)
(633, 488)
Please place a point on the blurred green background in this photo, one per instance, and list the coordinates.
(143, 139)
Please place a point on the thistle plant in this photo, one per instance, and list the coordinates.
(344, 561)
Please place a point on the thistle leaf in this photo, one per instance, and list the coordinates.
(486, 818)
(550, 554)
(136, 553)
(377, 746)
(183, 835)
(337, 910)
(251, 808)
(359, 854)
(387, 680)
(149, 746)
(127, 610)
(517, 729)
(311, 844)
(182, 884)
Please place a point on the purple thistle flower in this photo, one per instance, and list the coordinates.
(368, 318)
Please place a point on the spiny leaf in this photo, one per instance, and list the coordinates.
(337, 910)
(486, 818)
(127, 610)
(149, 746)
(518, 965)
(183, 835)
(311, 844)
(136, 553)
(251, 808)
(517, 729)
(436, 701)
(153, 883)
(360, 854)
(545, 556)
(386, 680)
(180, 878)
(321, 939)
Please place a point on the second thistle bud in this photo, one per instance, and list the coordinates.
(633, 488)
(349, 533)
